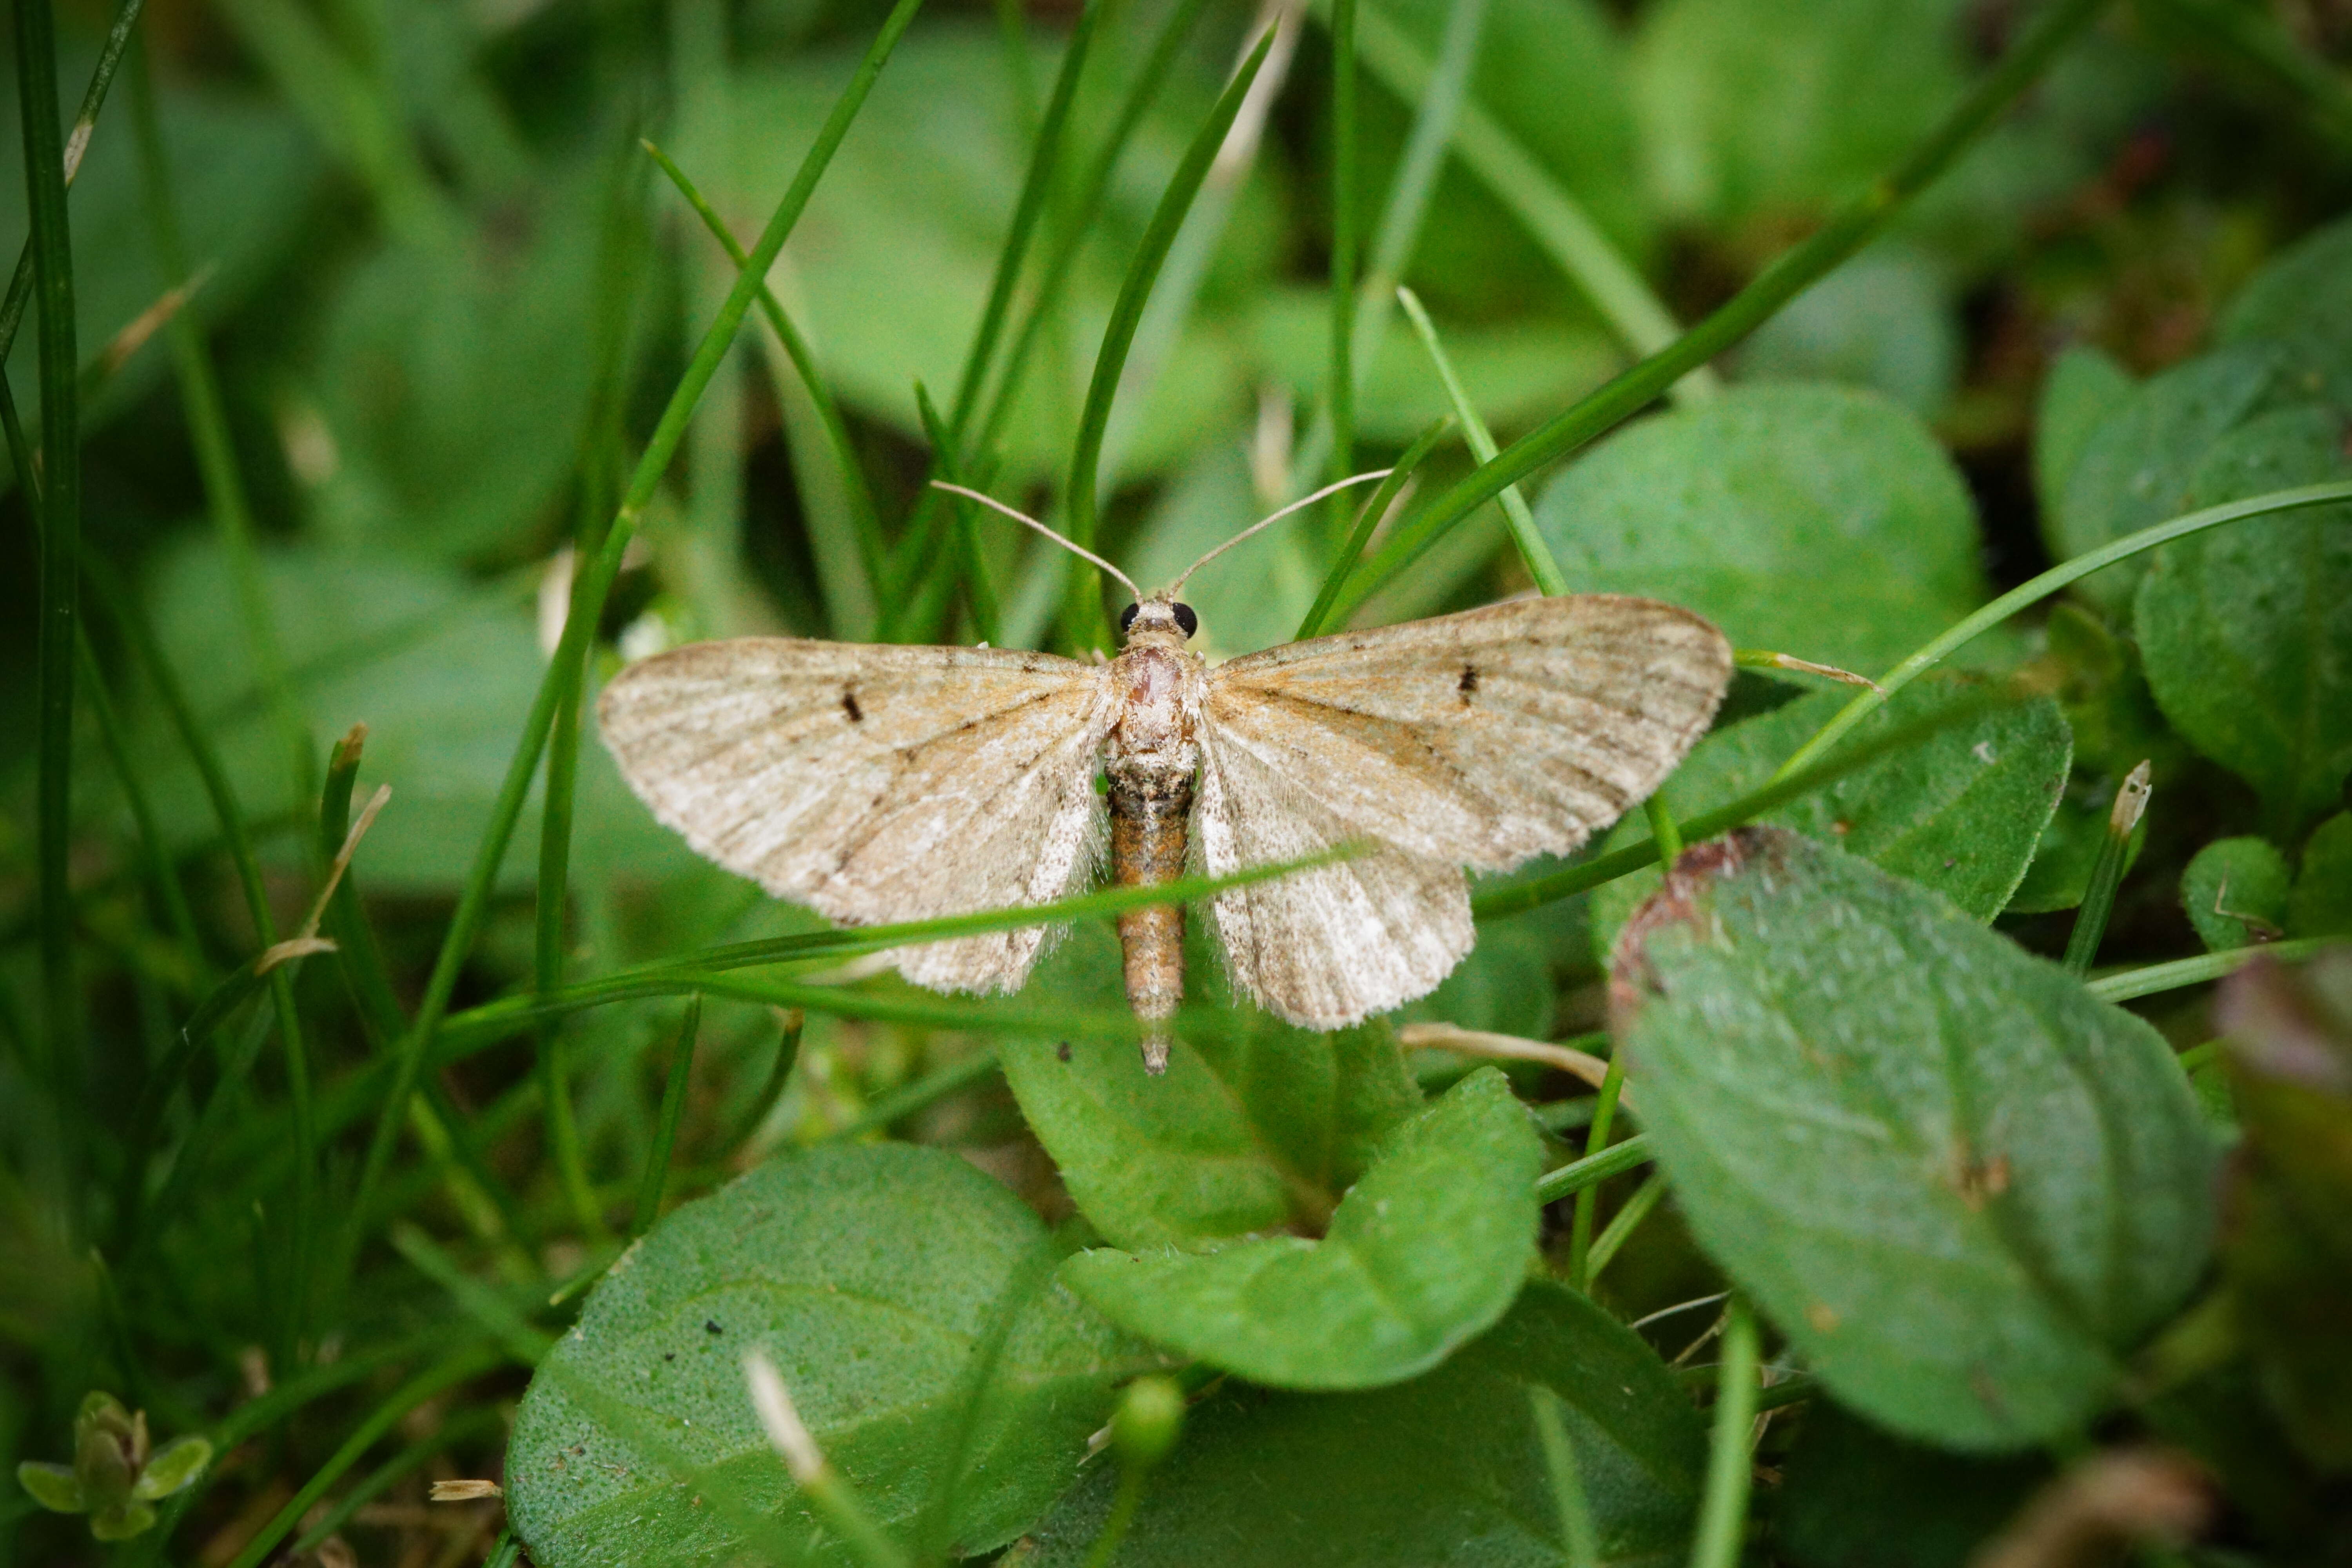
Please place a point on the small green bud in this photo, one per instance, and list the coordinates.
(114, 1476)
(1149, 1416)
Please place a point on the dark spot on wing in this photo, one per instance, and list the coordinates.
(1468, 683)
(849, 706)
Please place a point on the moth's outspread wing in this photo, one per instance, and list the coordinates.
(877, 783)
(1480, 740)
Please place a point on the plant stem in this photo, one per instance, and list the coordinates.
(1551, 215)
(1722, 1507)
(1549, 580)
(673, 1110)
(209, 433)
(2149, 980)
(2107, 871)
(2041, 588)
(1593, 1169)
(1623, 1224)
(1847, 231)
(1318, 616)
(1084, 624)
(1341, 394)
(61, 512)
(1665, 832)
(1596, 1140)
(588, 601)
(863, 513)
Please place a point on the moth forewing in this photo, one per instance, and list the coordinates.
(876, 784)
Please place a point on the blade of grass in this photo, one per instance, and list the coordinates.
(2041, 588)
(459, 1368)
(1621, 1225)
(1551, 215)
(205, 411)
(1853, 225)
(1319, 616)
(1596, 1142)
(2130, 984)
(588, 601)
(673, 1109)
(59, 589)
(980, 597)
(1084, 624)
(77, 145)
(864, 515)
(463, 1427)
(1723, 1505)
(921, 1094)
(1086, 208)
(552, 893)
(140, 639)
(2107, 871)
(1549, 580)
(1037, 184)
(1340, 394)
(780, 1073)
(1593, 1169)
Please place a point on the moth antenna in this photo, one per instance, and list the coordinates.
(1269, 521)
(1081, 552)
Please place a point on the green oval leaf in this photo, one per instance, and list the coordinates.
(1822, 521)
(1959, 1185)
(1429, 1248)
(2136, 465)
(1961, 810)
(869, 1276)
(1257, 1126)
(2301, 303)
(2321, 904)
(2235, 893)
(1446, 1468)
(2247, 631)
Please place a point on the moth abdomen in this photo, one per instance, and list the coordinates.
(1150, 807)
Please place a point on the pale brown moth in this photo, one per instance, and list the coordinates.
(879, 783)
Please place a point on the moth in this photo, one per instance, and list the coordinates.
(879, 783)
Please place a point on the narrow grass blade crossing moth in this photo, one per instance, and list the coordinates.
(879, 783)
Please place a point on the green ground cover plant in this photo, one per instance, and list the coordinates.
(1921, 1136)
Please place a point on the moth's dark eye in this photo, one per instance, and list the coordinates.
(1127, 618)
(1186, 618)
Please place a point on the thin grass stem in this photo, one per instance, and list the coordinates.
(1318, 615)
(207, 411)
(1621, 1225)
(1853, 225)
(1547, 210)
(59, 591)
(1723, 1505)
(462, 1426)
(780, 1073)
(980, 595)
(2043, 586)
(1587, 1199)
(1084, 622)
(2107, 871)
(1341, 393)
(865, 515)
(459, 1368)
(588, 601)
(1593, 1169)
(1093, 191)
(1665, 832)
(1542, 566)
(2130, 984)
(673, 1111)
